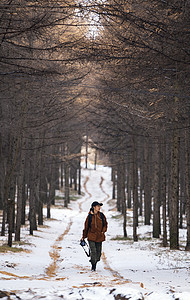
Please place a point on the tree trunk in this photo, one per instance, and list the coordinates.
(66, 167)
(182, 189)
(119, 200)
(114, 182)
(156, 187)
(187, 181)
(95, 159)
(32, 200)
(163, 189)
(12, 193)
(2, 174)
(135, 190)
(147, 183)
(129, 181)
(62, 166)
(174, 197)
(23, 217)
(181, 197)
(79, 176)
(32, 210)
(41, 193)
(10, 206)
(56, 170)
(71, 176)
(86, 156)
(141, 192)
(123, 195)
(75, 176)
(20, 182)
(8, 175)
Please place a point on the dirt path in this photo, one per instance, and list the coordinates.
(87, 192)
(54, 253)
(62, 266)
(118, 278)
(101, 187)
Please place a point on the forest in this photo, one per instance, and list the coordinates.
(112, 75)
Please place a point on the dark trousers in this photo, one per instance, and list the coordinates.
(95, 251)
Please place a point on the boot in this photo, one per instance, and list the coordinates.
(93, 267)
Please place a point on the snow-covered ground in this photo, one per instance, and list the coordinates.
(56, 265)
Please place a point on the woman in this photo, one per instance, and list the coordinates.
(94, 230)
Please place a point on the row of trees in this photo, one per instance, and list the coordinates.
(141, 110)
(127, 84)
(40, 109)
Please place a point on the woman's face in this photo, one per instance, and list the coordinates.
(96, 208)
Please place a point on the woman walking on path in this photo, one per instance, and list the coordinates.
(94, 230)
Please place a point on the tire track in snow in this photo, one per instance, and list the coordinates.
(13, 276)
(118, 278)
(115, 274)
(52, 269)
(54, 253)
(101, 280)
(86, 190)
(101, 187)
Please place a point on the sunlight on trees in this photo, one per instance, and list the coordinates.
(115, 71)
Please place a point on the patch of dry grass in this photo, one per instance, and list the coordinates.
(5, 248)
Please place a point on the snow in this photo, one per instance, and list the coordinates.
(57, 267)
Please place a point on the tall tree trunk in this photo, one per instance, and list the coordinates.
(20, 182)
(187, 181)
(163, 189)
(32, 199)
(10, 205)
(181, 196)
(32, 207)
(129, 181)
(24, 194)
(114, 182)
(12, 193)
(66, 167)
(95, 159)
(156, 187)
(86, 156)
(57, 170)
(182, 189)
(147, 183)
(135, 190)
(9, 172)
(119, 200)
(75, 176)
(141, 192)
(51, 199)
(79, 176)
(123, 196)
(39, 203)
(62, 166)
(2, 174)
(71, 176)
(174, 197)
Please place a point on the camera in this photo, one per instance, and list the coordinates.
(82, 243)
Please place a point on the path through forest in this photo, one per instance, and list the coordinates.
(55, 265)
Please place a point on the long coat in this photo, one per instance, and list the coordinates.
(97, 231)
